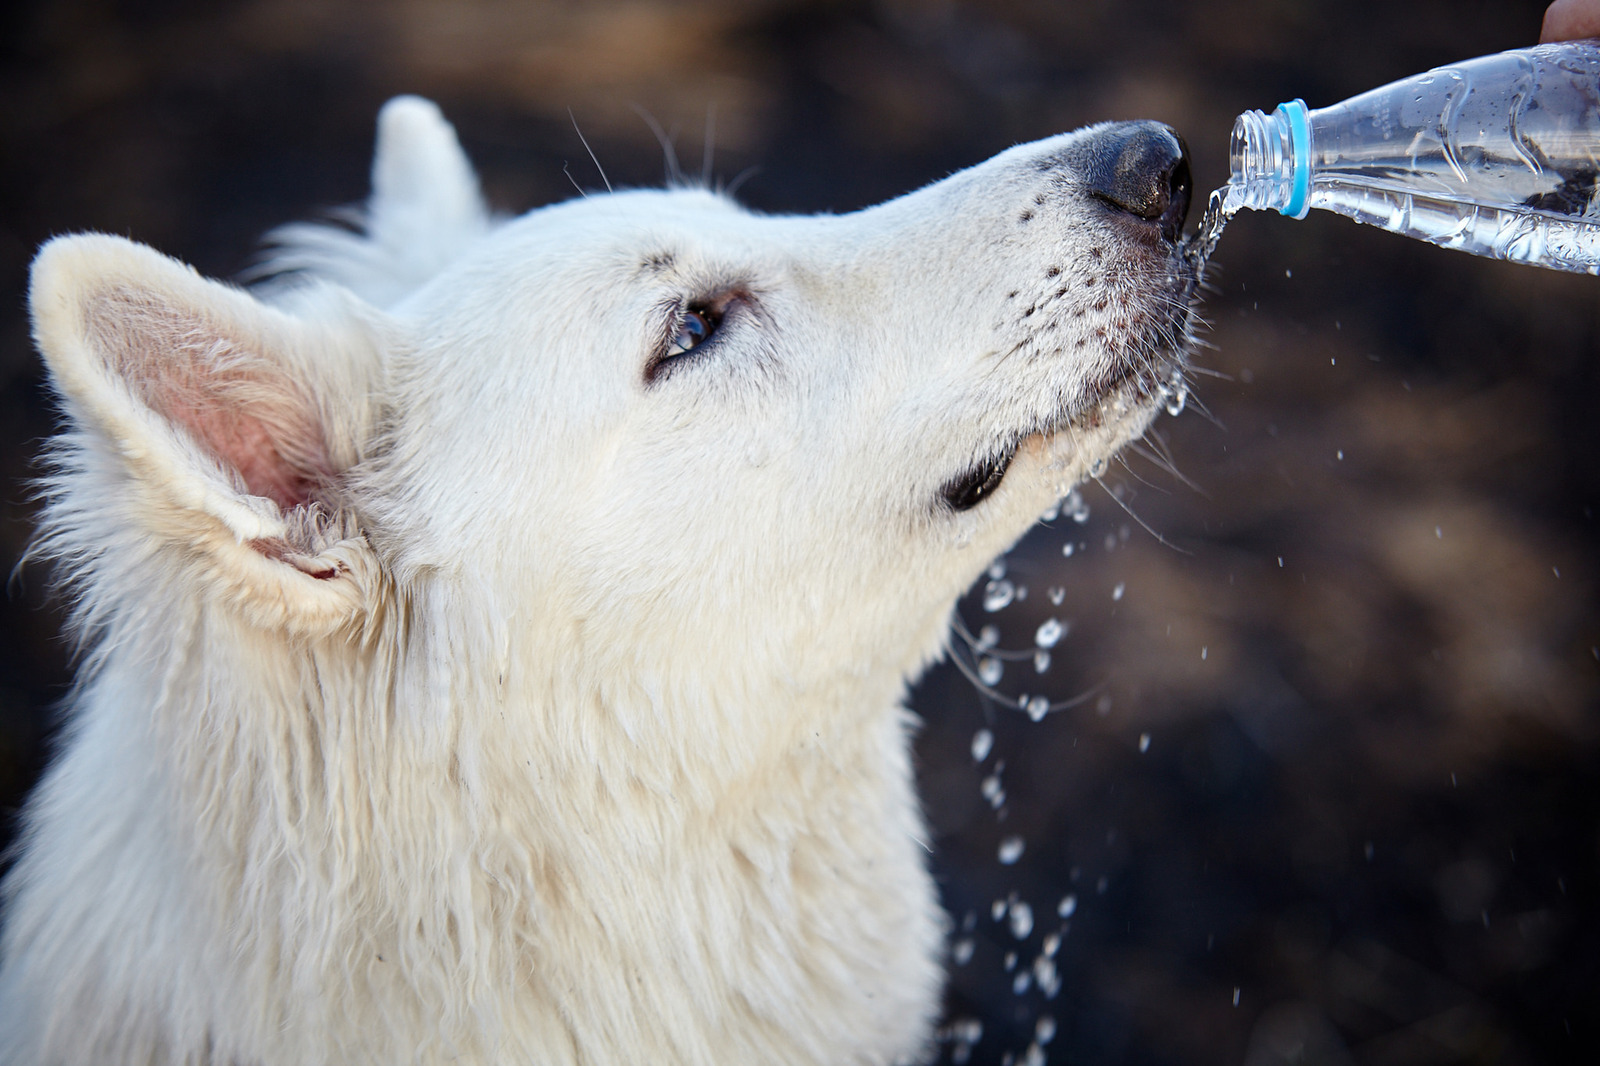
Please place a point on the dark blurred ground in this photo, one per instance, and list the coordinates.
(1366, 825)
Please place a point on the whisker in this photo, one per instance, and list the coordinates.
(1163, 541)
(586, 148)
(740, 178)
(674, 174)
(566, 168)
(1013, 703)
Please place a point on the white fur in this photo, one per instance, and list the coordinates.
(454, 694)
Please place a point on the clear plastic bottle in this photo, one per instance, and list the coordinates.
(1498, 156)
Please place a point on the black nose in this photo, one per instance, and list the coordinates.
(1141, 168)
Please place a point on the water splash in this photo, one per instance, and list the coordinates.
(993, 791)
(1222, 205)
(1021, 919)
(998, 595)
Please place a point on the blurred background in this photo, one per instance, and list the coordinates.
(1331, 793)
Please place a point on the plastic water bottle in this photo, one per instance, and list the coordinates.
(1497, 156)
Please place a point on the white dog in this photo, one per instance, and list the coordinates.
(497, 642)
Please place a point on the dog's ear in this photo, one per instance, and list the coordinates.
(425, 210)
(209, 422)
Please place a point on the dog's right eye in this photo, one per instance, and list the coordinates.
(692, 328)
(695, 327)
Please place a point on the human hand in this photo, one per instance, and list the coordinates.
(1569, 20)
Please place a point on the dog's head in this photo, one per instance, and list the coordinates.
(650, 421)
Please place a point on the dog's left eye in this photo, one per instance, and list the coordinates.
(695, 327)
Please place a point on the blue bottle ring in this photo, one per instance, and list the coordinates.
(1300, 144)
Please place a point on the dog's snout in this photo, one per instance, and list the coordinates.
(1142, 168)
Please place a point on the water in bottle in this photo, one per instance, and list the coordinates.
(1498, 156)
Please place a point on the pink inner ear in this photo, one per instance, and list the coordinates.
(243, 441)
(233, 400)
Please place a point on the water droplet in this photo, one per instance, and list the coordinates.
(1044, 1030)
(1021, 920)
(1144, 743)
(1176, 399)
(988, 637)
(1041, 661)
(1340, 453)
(1037, 707)
(1044, 972)
(998, 594)
(991, 789)
(1235, 995)
(1067, 549)
(1056, 595)
(997, 569)
(989, 670)
(1097, 468)
(1010, 851)
(1204, 652)
(997, 909)
(1051, 513)
(961, 951)
(1116, 593)
(1010, 961)
(1021, 983)
(982, 745)
(1049, 633)
(1068, 905)
(1102, 706)
(1033, 1056)
(1051, 945)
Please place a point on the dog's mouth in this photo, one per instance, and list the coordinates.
(1149, 367)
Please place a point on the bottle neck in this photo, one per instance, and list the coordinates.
(1271, 160)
